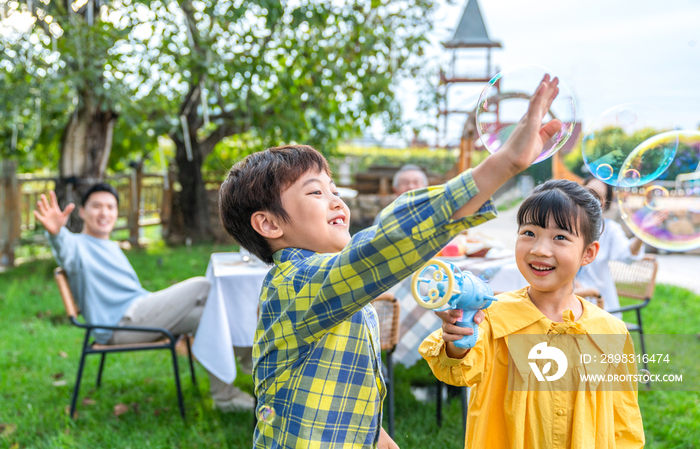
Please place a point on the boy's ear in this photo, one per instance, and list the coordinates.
(590, 253)
(266, 224)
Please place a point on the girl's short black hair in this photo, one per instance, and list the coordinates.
(608, 191)
(573, 208)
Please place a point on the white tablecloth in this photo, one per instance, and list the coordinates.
(417, 323)
(231, 313)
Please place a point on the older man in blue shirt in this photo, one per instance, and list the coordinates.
(108, 290)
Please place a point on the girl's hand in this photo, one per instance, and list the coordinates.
(50, 215)
(529, 136)
(385, 441)
(451, 332)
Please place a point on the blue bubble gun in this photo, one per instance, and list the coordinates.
(442, 286)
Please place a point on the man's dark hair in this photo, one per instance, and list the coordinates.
(608, 191)
(256, 184)
(574, 208)
(100, 187)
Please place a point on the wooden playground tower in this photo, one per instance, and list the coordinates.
(471, 34)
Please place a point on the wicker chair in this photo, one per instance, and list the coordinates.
(168, 343)
(591, 295)
(388, 311)
(637, 281)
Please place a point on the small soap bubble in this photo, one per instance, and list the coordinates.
(644, 373)
(266, 414)
(665, 213)
(653, 195)
(486, 275)
(604, 172)
(505, 100)
(616, 134)
(630, 177)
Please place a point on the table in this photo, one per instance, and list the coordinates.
(417, 323)
(230, 315)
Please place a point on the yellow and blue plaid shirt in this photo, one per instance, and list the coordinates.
(316, 357)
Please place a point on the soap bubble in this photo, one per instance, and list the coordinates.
(486, 274)
(505, 100)
(266, 414)
(616, 133)
(604, 172)
(665, 213)
(653, 195)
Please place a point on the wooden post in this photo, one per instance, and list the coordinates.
(10, 213)
(135, 204)
(166, 208)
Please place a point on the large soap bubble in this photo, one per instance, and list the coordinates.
(665, 213)
(505, 99)
(615, 134)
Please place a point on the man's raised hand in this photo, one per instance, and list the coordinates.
(50, 215)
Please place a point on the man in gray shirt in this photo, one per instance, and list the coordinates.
(108, 290)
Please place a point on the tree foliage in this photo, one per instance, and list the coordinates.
(57, 55)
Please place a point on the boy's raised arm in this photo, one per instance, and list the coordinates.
(522, 148)
(415, 228)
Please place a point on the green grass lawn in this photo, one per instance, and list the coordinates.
(39, 354)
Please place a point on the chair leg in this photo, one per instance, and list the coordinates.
(189, 354)
(390, 392)
(81, 365)
(438, 412)
(99, 372)
(641, 337)
(180, 401)
(255, 412)
(465, 407)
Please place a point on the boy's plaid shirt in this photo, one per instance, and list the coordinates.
(316, 358)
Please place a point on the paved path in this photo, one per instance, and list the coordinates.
(674, 268)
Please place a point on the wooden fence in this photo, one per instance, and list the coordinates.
(145, 199)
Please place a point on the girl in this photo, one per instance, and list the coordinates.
(558, 230)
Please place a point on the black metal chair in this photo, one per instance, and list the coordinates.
(168, 343)
(388, 311)
(638, 281)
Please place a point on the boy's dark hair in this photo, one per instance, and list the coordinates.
(574, 208)
(100, 187)
(608, 191)
(256, 184)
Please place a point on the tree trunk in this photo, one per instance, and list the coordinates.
(193, 197)
(85, 150)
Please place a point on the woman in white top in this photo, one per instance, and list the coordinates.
(614, 245)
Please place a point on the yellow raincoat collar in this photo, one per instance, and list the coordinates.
(515, 313)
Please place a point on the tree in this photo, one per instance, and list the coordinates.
(62, 94)
(270, 72)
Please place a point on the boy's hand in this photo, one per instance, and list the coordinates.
(451, 332)
(520, 150)
(529, 136)
(385, 441)
(50, 215)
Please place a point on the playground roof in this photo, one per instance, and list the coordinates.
(471, 31)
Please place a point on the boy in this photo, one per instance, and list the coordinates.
(316, 360)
